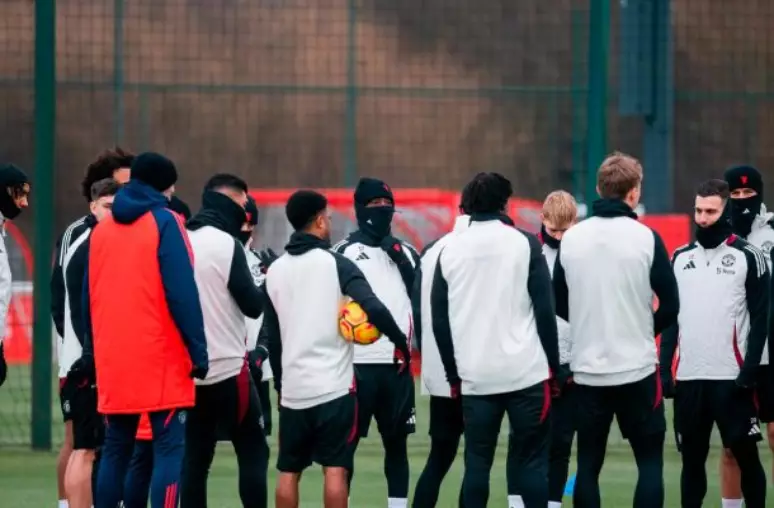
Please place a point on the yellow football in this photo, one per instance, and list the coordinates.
(354, 325)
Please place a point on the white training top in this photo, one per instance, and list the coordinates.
(432, 374)
(71, 348)
(385, 279)
(762, 236)
(224, 323)
(305, 292)
(718, 292)
(562, 326)
(610, 265)
(486, 269)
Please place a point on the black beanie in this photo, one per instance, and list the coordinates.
(369, 189)
(155, 170)
(303, 206)
(251, 210)
(178, 205)
(11, 177)
(740, 177)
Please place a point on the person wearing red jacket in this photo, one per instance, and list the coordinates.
(138, 477)
(145, 330)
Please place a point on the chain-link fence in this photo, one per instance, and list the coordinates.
(290, 93)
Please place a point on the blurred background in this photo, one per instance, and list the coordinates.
(421, 93)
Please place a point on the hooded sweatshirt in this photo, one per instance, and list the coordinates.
(226, 288)
(306, 288)
(142, 315)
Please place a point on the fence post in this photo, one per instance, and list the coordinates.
(658, 185)
(596, 112)
(43, 209)
(118, 70)
(350, 105)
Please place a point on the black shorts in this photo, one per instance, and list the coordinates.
(325, 434)
(638, 407)
(88, 425)
(446, 420)
(765, 390)
(699, 404)
(264, 395)
(66, 388)
(386, 396)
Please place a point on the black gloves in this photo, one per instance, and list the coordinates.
(199, 371)
(3, 365)
(82, 370)
(267, 257)
(255, 359)
(402, 356)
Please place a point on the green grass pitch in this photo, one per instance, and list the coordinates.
(28, 479)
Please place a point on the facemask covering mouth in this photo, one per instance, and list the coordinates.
(244, 237)
(715, 234)
(375, 221)
(743, 213)
(548, 239)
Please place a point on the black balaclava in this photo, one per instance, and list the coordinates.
(744, 211)
(221, 212)
(12, 179)
(251, 210)
(548, 239)
(715, 234)
(374, 221)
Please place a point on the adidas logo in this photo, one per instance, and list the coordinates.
(755, 430)
(362, 256)
(689, 266)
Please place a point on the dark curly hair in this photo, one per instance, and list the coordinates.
(486, 193)
(107, 163)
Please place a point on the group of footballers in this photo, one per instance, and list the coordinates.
(171, 327)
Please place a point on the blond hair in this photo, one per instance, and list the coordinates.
(618, 174)
(560, 208)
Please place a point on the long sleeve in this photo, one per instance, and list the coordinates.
(561, 292)
(271, 338)
(74, 278)
(241, 286)
(88, 339)
(757, 294)
(539, 289)
(6, 288)
(416, 308)
(354, 285)
(58, 290)
(177, 277)
(664, 285)
(439, 303)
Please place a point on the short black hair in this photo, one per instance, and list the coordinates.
(303, 207)
(107, 163)
(225, 180)
(714, 187)
(104, 188)
(486, 193)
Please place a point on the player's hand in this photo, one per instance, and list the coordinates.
(82, 371)
(561, 378)
(199, 371)
(402, 358)
(3, 365)
(456, 389)
(267, 257)
(255, 359)
(394, 249)
(668, 387)
(744, 381)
